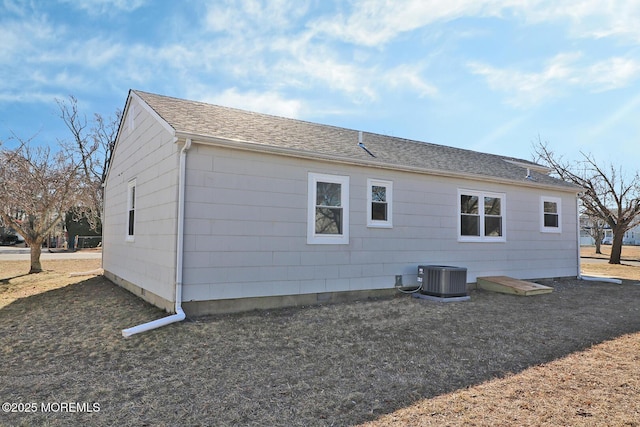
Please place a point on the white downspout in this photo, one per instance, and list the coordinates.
(179, 315)
(578, 237)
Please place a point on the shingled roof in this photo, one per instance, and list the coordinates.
(272, 133)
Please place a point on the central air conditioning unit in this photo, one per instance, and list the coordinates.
(442, 281)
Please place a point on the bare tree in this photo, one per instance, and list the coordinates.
(37, 187)
(608, 194)
(596, 231)
(92, 147)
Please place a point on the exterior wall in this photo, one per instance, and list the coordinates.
(631, 237)
(145, 152)
(246, 225)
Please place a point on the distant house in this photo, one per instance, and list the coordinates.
(631, 236)
(220, 209)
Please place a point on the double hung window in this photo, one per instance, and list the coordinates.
(328, 209)
(379, 208)
(481, 216)
(131, 210)
(550, 215)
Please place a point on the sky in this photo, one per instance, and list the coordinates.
(495, 76)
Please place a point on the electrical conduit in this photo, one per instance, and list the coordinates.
(179, 315)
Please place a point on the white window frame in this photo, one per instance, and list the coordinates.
(481, 196)
(558, 202)
(131, 207)
(376, 223)
(314, 238)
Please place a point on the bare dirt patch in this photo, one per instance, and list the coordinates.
(341, 364)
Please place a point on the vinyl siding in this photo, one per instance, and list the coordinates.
(245, 230)
(144, 152)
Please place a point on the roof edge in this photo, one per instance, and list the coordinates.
(534, 166)
(312, 155)
(134, 95)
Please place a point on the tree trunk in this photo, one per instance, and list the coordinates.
(36, 250)
(616, 247)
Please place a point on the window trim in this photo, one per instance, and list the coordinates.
(481, 196)
(376, 223)
(130, 231)
(327, 239)
(558, 202)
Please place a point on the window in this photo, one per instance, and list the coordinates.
(482, 216)
(550, 215)
(131, 209)
(379, 208)
(328, 209)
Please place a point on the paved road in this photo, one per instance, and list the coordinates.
(13, 253)
(604, 261)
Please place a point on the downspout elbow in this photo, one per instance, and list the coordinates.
(179, 312)
(154, 324)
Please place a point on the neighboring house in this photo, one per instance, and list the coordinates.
(587, 231)
(631, 236)
(232, 210)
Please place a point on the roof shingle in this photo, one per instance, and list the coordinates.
(212, 121)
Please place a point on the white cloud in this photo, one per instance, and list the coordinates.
(410, 78)
(27, 96)
(314, 67)
(612, 73)
(560, 74)
(22, 37)
(254, 16)
(15, 7)
(97, 7)
(269, 41)
(264, 102)
(526, 88)
(590, 18)
(376, 22)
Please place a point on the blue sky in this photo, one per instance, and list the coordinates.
(485, 75)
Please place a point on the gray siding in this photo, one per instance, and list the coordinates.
(145, 152)
(245, 230)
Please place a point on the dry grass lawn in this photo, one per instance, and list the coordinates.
(571, 357)
(629, 253)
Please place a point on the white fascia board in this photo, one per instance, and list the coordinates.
(309, 155)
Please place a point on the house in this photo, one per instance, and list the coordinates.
(233, 210)
(631, 236)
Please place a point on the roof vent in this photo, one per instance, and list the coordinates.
(361, 144)
(529, 177)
